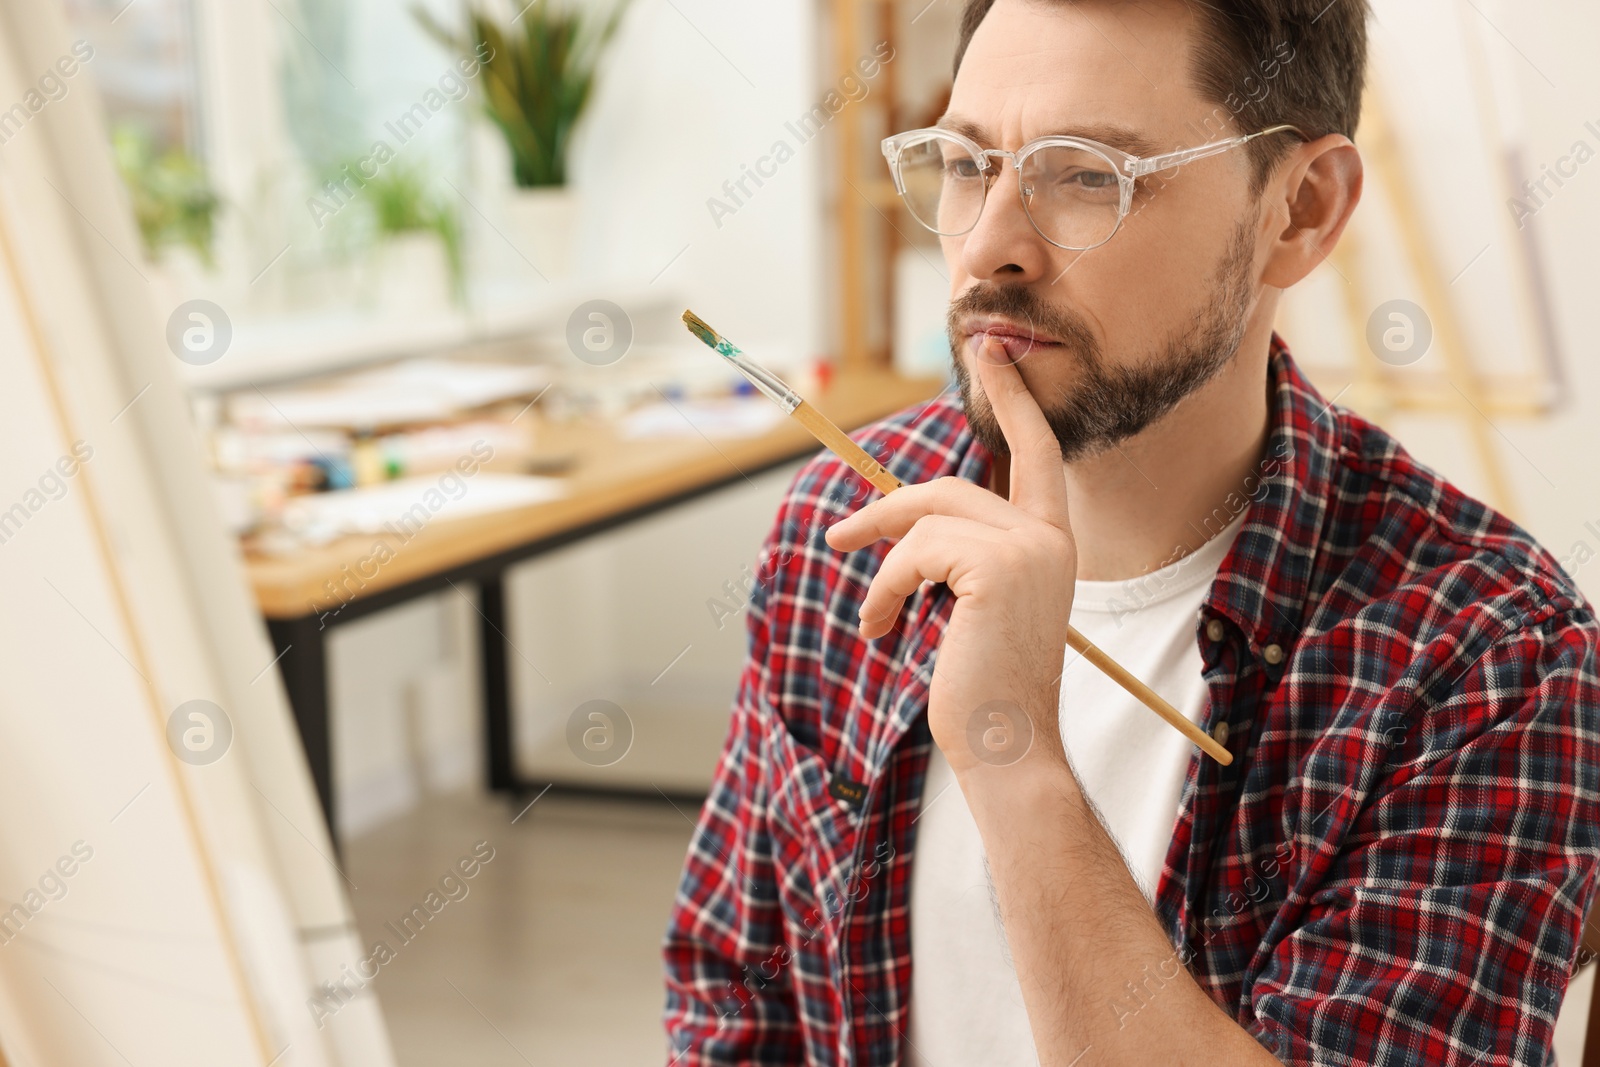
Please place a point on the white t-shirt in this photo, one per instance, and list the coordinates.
(966, 1005)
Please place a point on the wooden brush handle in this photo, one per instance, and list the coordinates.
(1146, 696)
(840, 445)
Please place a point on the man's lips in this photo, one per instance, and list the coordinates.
(1018, 341)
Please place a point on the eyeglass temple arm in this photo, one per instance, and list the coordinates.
(1137, 168)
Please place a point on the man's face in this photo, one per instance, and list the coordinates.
(1110, 339)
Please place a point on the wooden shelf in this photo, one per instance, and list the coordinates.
(881, 194)
(864, 197)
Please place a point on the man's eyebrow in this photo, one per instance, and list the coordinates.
(1106, 133)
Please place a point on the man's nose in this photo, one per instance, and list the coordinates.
(1004, 243)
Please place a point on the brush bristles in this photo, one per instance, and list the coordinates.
(700, 329)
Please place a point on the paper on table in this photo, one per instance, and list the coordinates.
(416, 390)
(468, 383)
(411, 503)
(731, 417)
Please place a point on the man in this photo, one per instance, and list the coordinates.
(938, 837)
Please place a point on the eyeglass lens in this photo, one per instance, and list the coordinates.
(1073, 195)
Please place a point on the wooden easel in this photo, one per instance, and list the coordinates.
(1460, 389)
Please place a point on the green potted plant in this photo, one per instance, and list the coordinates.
(419, 258)
(176, 209)
(172, 198)
(537, 77)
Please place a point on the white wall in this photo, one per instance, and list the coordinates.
(699, 89)
(628, 617)
(405, 707)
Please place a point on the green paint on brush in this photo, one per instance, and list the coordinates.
(764, 380)
(698, 327)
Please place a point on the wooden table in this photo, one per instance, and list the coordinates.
(614, 481)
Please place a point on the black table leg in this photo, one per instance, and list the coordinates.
(305, 677)
(500, 767)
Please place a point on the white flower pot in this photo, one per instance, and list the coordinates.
(542, 219)
(413, 276)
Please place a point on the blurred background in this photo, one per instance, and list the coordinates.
(421, 269)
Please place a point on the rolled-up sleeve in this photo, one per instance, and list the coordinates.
(1444, 928)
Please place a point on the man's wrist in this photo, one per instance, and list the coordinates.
(1039, 782)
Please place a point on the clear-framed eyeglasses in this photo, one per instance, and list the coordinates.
(1076, 192)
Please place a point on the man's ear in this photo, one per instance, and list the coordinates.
(1306, 206)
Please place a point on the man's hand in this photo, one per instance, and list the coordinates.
(1011, 565)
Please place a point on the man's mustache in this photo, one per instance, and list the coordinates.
(1022, 305)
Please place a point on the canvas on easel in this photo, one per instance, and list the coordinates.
(168, 892)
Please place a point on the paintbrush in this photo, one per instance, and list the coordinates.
(835, 440)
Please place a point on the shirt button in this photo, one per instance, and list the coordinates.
(1219, 733)
(1215, 630)
(1273, 654)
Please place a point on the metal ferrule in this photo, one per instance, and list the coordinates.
(770, 384)
(763, 379)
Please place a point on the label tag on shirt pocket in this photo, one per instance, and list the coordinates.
(852, 793)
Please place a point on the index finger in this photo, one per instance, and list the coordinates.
(1038, 483)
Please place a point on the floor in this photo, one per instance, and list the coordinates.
(551, 956)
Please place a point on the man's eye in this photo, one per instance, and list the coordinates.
(960, 167)
(1089, 179)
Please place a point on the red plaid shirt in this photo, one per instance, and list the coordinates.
(1394, 870)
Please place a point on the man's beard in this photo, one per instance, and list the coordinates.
(1110, 403)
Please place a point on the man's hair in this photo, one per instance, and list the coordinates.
(1265, 62)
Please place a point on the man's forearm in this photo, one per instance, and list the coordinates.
(1080, 930)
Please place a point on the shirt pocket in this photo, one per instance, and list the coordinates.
(814, 834)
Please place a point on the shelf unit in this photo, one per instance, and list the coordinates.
(868, 220)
